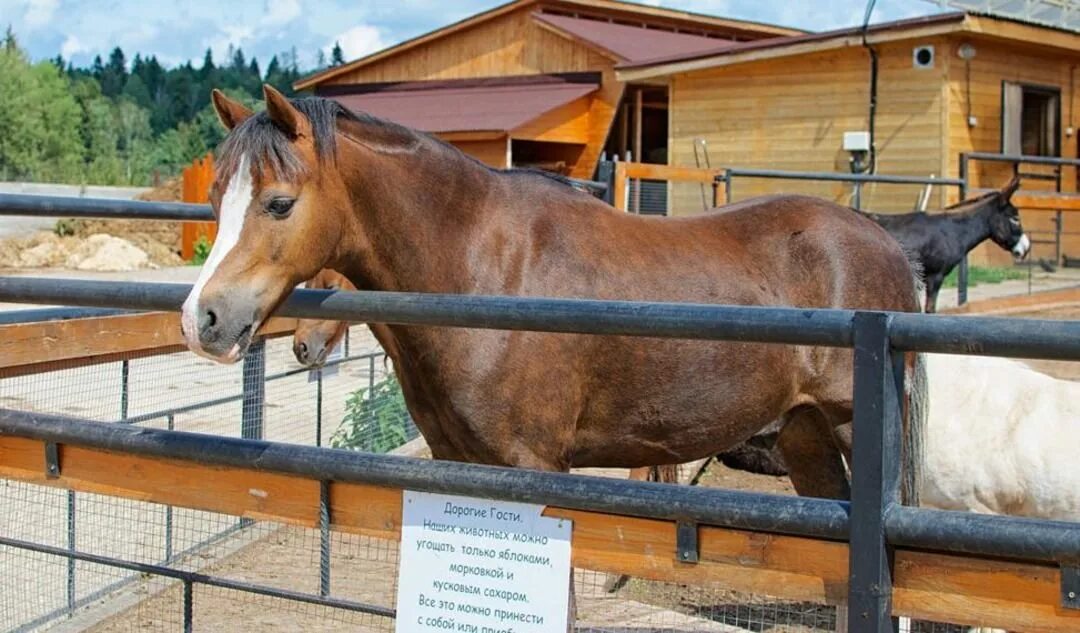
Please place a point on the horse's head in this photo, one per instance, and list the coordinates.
(282, 209)
(313, 340)
(1005, 228)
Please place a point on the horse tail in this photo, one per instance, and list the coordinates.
(916, 416)
(916, 406)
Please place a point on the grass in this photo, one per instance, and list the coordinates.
(985, 275)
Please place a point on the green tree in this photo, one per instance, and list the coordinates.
(135, 91)
(114, 74)
(39, 119)
(337, 56)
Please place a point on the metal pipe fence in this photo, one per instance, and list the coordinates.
(874, 522)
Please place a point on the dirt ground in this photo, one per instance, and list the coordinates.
(54, 249)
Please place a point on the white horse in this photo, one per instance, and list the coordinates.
(1002, 438)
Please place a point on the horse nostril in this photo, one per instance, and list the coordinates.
(303, 350)
(211, 318)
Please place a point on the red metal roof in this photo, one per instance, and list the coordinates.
(632, 43)
(471, 108)
(783, 42)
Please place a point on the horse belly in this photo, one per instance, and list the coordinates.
(659, 411)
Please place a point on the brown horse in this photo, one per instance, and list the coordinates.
(314, 338)
(307, 185)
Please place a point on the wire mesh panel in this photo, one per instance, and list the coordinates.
(355, 403)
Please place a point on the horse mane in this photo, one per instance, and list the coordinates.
(270, 148)
(963, 204)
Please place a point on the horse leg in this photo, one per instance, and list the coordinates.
(813, 459)
(933, 286)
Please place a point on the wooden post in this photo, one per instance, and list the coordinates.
(638, 111)
(196, 189)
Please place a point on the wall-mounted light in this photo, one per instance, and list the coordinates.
(966, 52)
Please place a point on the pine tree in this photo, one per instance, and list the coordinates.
(337, 56)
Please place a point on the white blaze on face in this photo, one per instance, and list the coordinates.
(1023, 246)
(234, 206)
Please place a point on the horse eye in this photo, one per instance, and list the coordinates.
(280, 207)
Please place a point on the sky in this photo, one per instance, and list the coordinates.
(181, 31)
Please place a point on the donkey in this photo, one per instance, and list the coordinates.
(938, 242)
(308, 185)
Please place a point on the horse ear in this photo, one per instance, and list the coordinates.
(230, 112)
(1011, 188)
(284, 114)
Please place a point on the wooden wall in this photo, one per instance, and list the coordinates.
(512, 44)
(490, 152)
(792, 113)
(997, 61)
(507, 46)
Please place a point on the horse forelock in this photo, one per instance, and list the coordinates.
(269, 148)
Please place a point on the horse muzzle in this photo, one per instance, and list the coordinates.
(217, 328)
(310, 353)
(1022, 247)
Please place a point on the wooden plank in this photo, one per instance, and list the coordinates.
(971, 591)
(647, 171)
(245, 493)
(1046, 201)
(565, 124)
(48, 344)
(619, 183)
(928, 586)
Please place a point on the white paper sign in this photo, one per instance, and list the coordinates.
(478, 566)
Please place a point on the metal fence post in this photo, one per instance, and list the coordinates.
(324, 538)
(254, 400)
(318, 407)
(125, 378)
(962, 270)
(171, 425)
(71, 538)
(605, 173)
(875, 475)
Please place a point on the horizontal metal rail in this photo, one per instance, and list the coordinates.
(797, 516)
(837, 177)
(983, 534)
(580, 316)
(67, 207)
(1025, 159)
(1024, 338)
(40, 315)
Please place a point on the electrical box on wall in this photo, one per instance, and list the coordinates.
(922, 57)
(856, 141)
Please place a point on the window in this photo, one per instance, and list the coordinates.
(1029, 122)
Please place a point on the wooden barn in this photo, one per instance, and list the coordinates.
(533, 82)
(945, 84)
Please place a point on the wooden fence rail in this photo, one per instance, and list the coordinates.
(927, 586)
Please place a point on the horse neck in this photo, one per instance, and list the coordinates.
(973, 223)
(416, 212)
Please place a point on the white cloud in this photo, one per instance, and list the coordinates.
(72, 46)
(40, 12)
(359, 41)
(280, 12)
